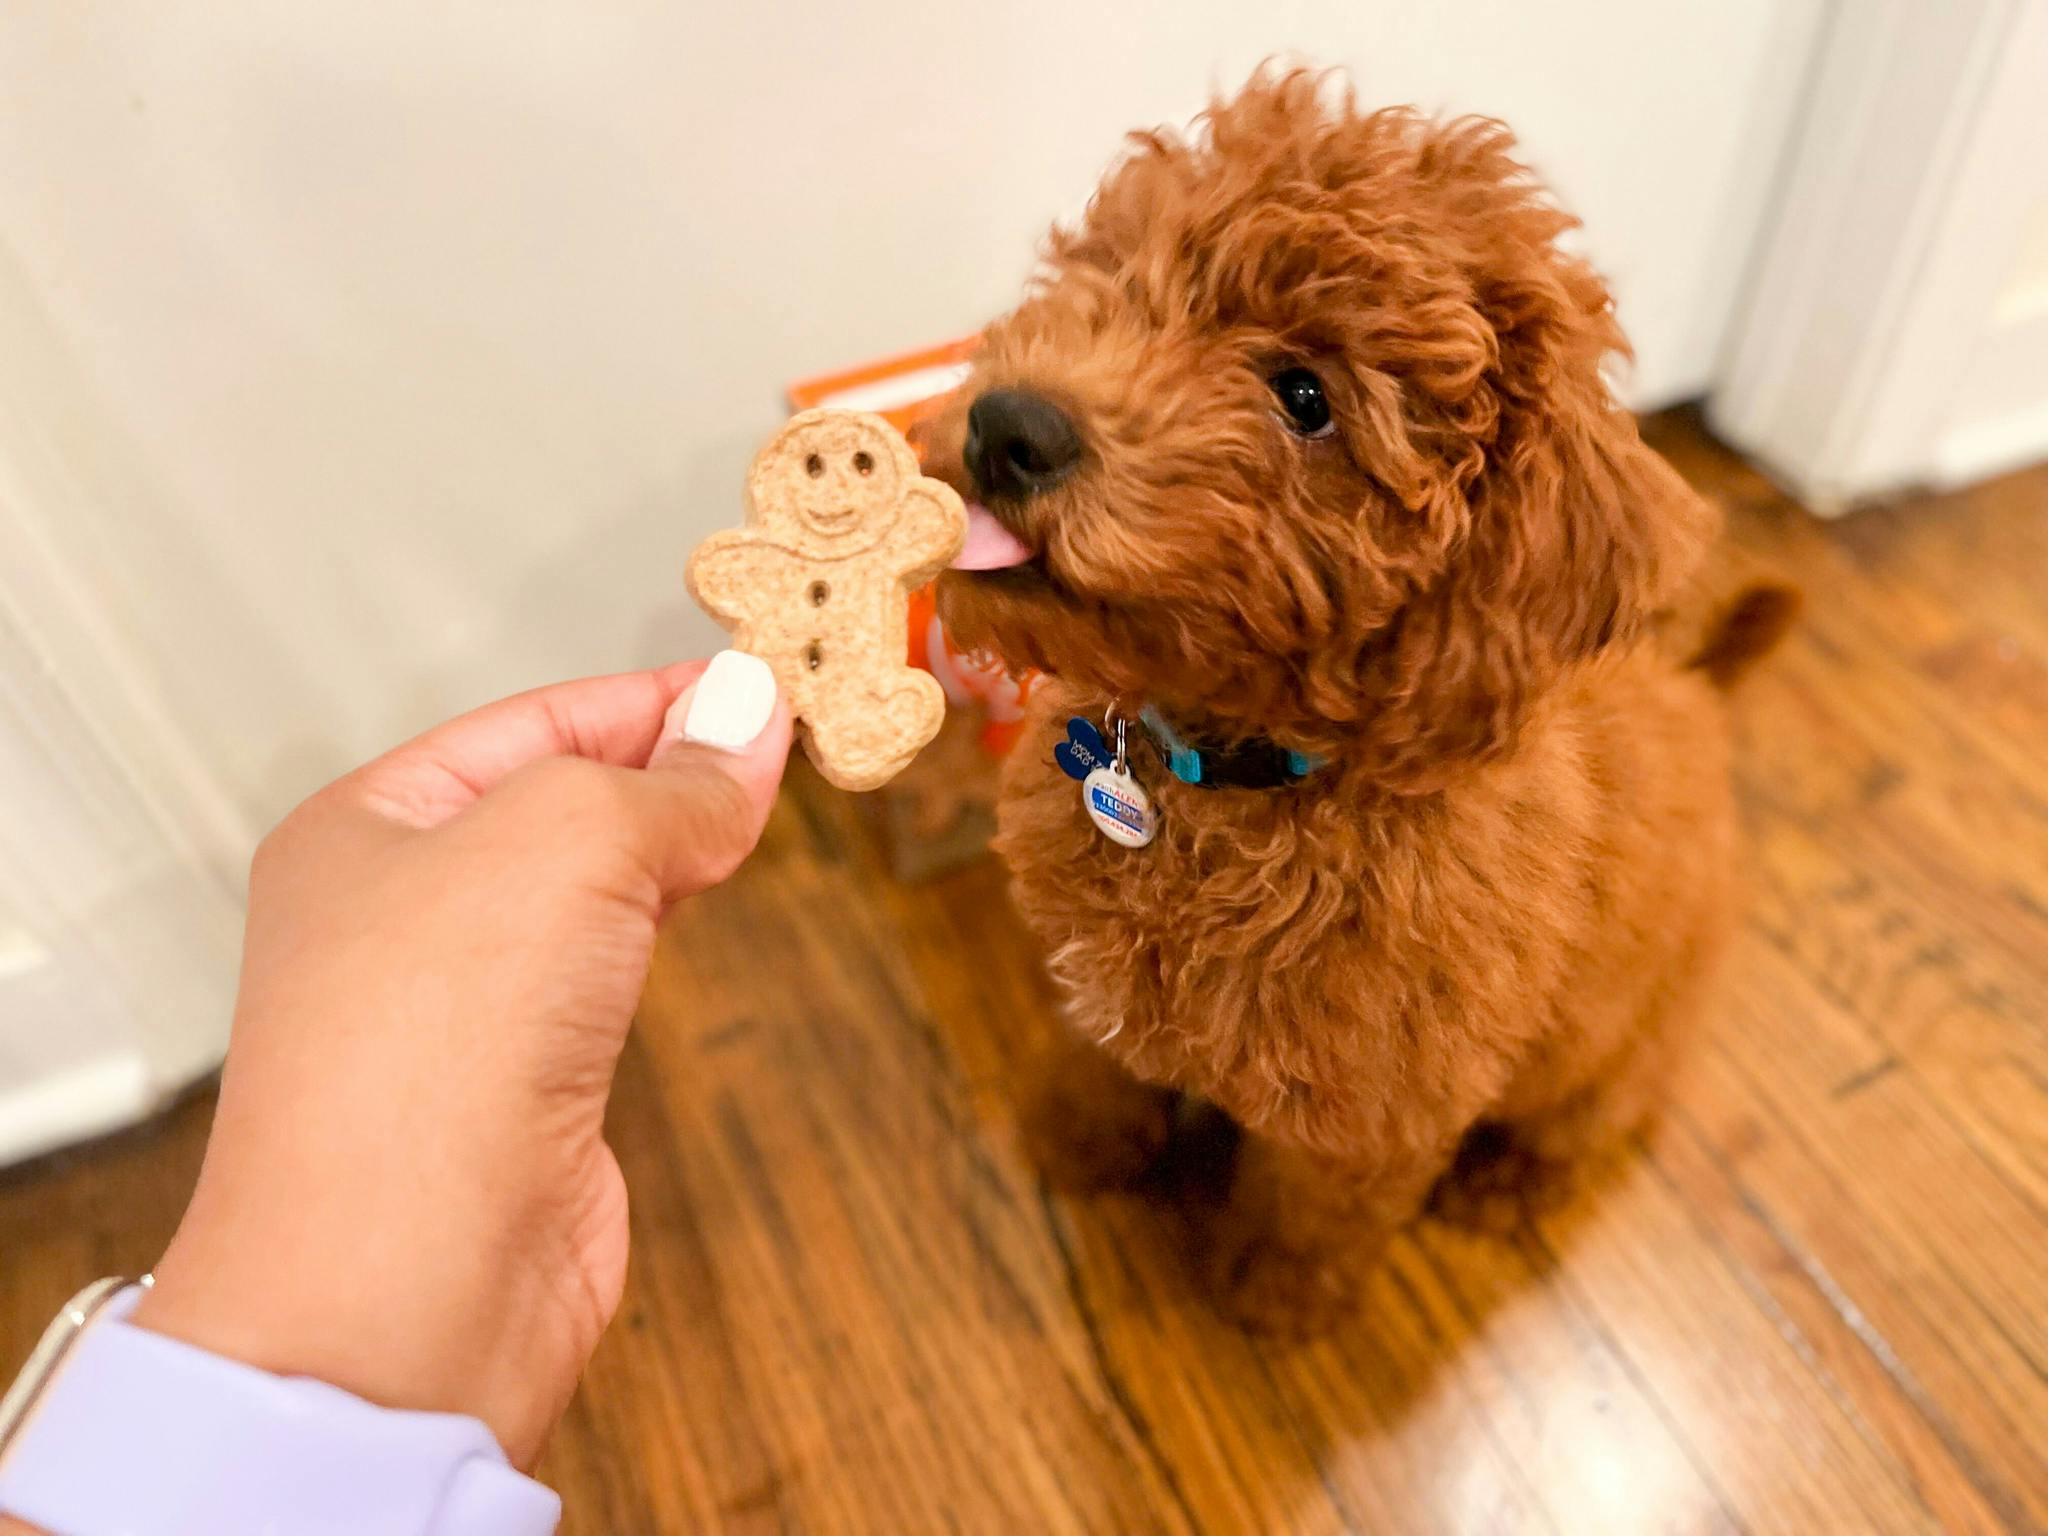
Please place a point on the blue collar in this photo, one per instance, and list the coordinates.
(1256, 764)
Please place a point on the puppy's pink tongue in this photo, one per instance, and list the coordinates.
(990, 546)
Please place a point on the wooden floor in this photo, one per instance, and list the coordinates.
(1818, 1302)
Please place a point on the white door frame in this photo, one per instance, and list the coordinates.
(1922, 151)
(117, 936)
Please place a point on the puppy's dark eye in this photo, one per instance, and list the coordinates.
(1302, 400)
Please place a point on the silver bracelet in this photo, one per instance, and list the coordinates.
(50, 1350)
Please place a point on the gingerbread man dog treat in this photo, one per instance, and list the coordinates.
(840, 529)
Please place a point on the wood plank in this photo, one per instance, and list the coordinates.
(1817, 1315)
(1782, 1452)
(1919, 1242)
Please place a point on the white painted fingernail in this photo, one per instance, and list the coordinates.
(729, 707)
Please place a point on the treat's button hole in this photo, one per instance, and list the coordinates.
(818, 593)
(814, 466)
(864, 462)
(814, 655)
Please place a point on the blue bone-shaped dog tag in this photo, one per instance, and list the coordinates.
(1083, 751)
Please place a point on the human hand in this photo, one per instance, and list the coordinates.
(407, 1193)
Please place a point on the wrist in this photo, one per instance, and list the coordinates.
(414, 1320)
(203, 1442)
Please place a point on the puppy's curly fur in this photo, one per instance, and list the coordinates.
(1458, 956)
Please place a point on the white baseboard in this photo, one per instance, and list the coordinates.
(112, 1001)
(76, 1104)
(1965, 455)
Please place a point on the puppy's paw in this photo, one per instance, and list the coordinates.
(1087, 1141)
(1282, 1293)
(1498, 1182)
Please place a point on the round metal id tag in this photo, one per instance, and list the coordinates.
(1116, 802)
(1119, 807)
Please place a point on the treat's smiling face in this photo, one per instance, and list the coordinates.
(1302, 433)
(835, 486)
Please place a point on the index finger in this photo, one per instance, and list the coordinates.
(606, 719)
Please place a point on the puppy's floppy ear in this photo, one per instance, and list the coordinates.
(1581, 533)
(1576, 535)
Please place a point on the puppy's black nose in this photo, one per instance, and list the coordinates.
(1019, 444)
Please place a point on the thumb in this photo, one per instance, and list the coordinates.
(712, 776)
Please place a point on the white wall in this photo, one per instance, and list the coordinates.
(376, 359)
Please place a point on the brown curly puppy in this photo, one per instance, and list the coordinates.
(1301, 439)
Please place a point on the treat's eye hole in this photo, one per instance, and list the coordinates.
(1302, 400)
(818, 593)
(864, 462)
(814, 655)
(814, 466)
